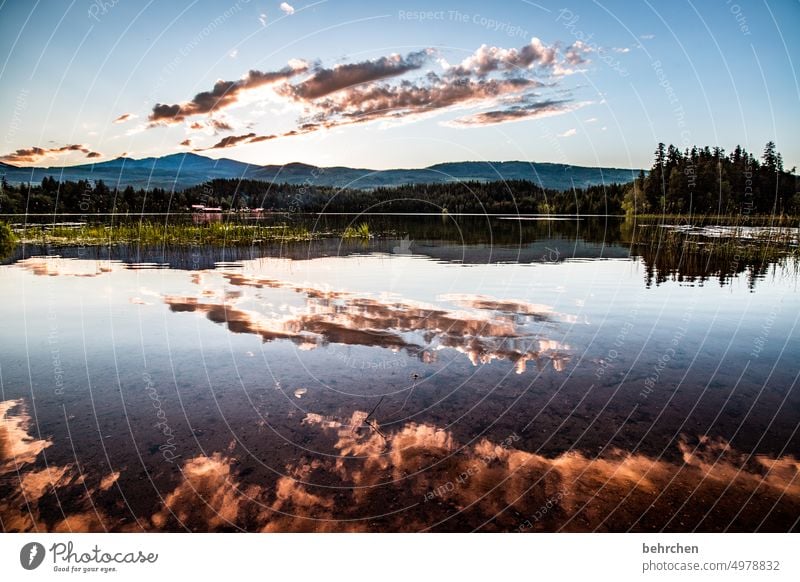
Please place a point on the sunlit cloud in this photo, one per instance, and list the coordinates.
(125, 117)
(514, 113)
(576, 53)
(488, 59)
(407, 100)
(220, 125)
(501, 83)
(224, 94)
(35, 154)
(326, 81)
(287, 8)
(234, 140)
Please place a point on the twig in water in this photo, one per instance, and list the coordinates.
(366, 418)
(374, 409)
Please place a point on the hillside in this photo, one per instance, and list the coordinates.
(180, 171)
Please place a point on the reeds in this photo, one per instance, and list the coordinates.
(152, 233)
(8, 240)
(358, 231)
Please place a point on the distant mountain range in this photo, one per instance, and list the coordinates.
(180, 171)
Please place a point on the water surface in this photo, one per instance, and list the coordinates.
(452, 374)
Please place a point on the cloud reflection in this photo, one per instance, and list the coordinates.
(487, 330)
(413, 478)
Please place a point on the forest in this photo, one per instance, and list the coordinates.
(706, 181)
(696, 181)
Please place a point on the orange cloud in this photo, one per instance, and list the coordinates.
(326, 81)
(125, 117)
(36, 154)
(224, 94)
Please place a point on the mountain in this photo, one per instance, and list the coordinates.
(179, 171)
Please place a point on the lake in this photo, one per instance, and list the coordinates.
(451, 373)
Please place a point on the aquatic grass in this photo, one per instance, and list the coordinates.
(358, 231)
(7, 236)
(687, 253)
(724, 219)
(152, 233)
(8, 240)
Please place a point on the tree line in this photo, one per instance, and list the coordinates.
(706, 181)
(697, 181)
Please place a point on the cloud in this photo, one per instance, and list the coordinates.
(326, 81)
(591, 120)
(262, 18)
(621, 50)
(575, 54)
(381, 101)
(522, 112)
(232, 140)
(647, 36)
(35, 154)
(224, 94)
(125, 117)
(220, 125)
(501, 83)
(488, 59)
(287, 8)
(259, 138)
(568, 133)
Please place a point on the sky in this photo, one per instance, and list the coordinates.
(376, 84)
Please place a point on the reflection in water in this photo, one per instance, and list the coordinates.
(284, 442)
(58, 266)
(536, 311)
(667, 255)
(491, 330)
(415, 478)
(207, 499)
(30, 488)
(678, 253)
(16, 446)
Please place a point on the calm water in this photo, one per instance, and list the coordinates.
(459, 374)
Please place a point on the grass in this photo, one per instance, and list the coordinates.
(7, 235)
(723, 219)
(359, 231)
(151, 233)
(673, 246)
(8, 240)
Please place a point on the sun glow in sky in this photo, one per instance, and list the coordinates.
(384, 84)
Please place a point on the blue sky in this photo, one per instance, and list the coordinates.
(405, 84)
